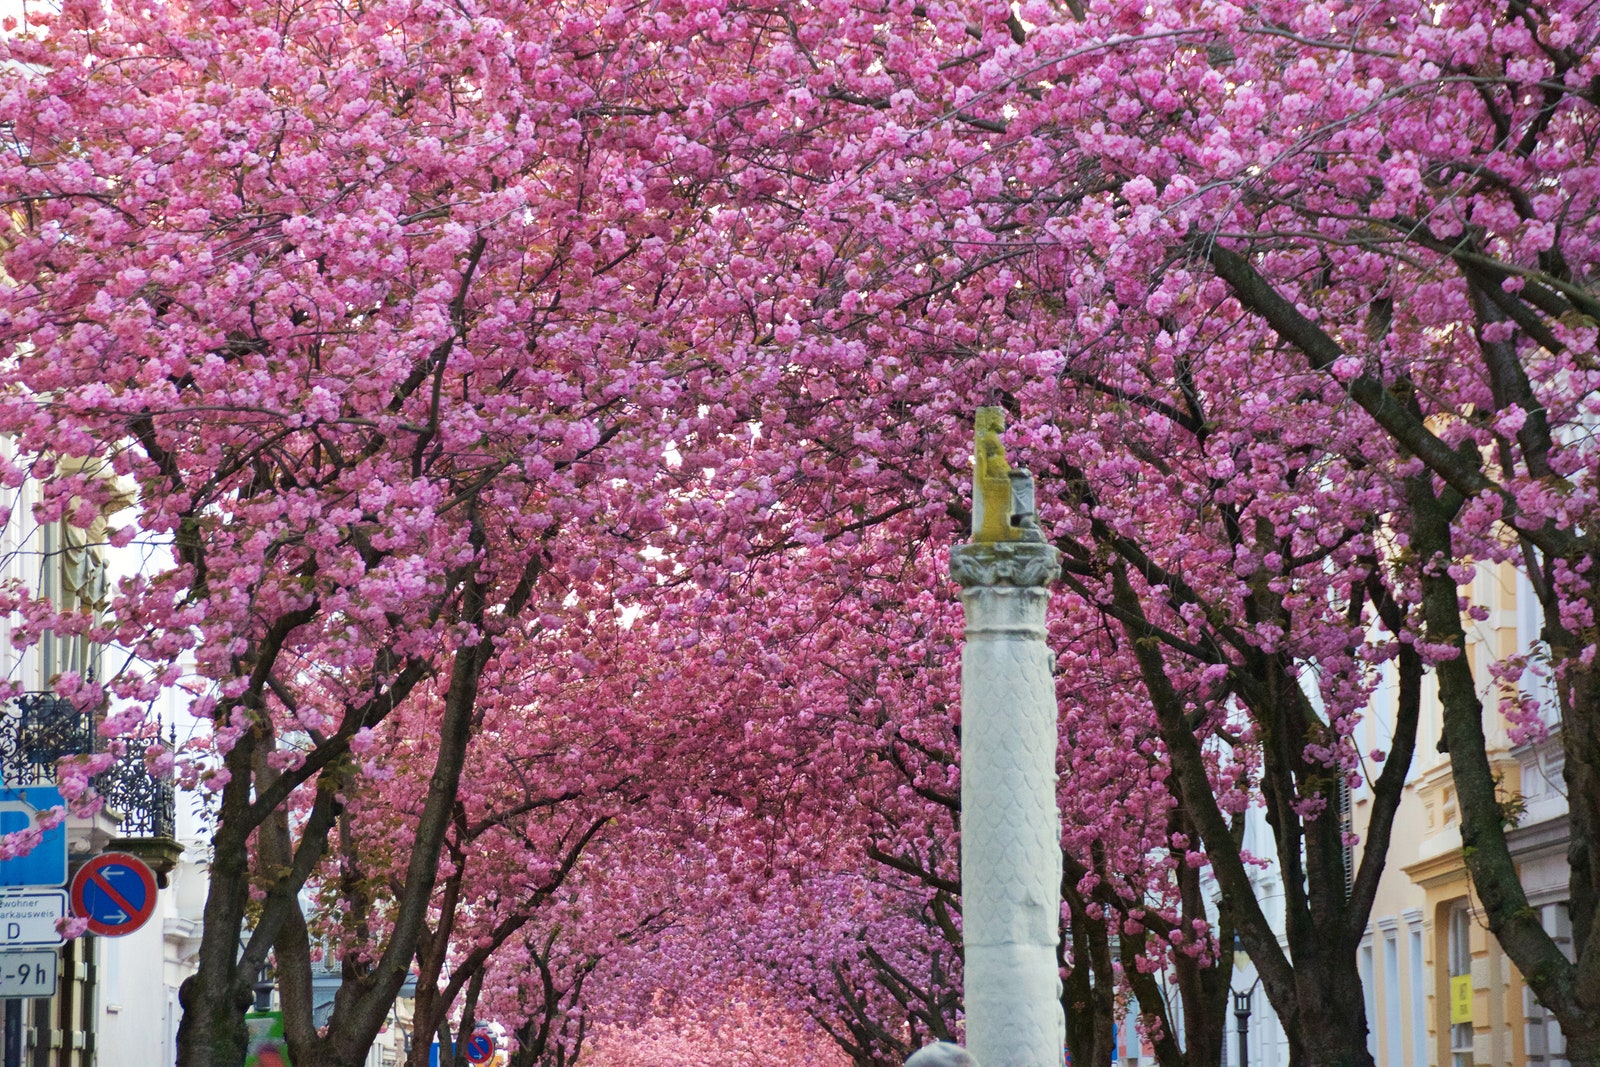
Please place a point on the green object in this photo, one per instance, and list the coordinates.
(266, 1048)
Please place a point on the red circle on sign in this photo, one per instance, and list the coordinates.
(480, 1049)
(103, 873)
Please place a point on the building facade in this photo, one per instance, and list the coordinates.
(114, 1003)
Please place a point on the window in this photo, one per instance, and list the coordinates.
(1393, 1049)
(1367, 995)
(1348, 855)
(84, 585)
(1546, 1046)
(1459, 1002)
(1530, 625)
(1418, 997)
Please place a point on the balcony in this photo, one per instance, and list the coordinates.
(41, 728)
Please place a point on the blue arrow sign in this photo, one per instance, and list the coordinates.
(46, 863)
(116, 892)
(480, 1049)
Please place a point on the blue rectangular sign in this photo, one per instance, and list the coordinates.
(46, 864)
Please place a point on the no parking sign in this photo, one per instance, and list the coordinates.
(480, 1048)
(116, 892)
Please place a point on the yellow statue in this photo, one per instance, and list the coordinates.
(991, 481)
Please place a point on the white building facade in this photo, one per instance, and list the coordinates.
(115, 1003)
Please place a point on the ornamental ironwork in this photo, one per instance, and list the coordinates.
(39, 729)
(46, 728)
(146, 802)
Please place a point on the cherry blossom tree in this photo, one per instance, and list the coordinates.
(1110, 201)
(739, 1032)
(437, 334)
(343, 292)
(864, 936)
(1394, 206)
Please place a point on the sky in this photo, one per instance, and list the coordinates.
(13, 8)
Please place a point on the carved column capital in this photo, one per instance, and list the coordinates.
(1005, 563)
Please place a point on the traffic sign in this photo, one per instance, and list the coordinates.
(116, 892)
(28, 974)
(480, 1048)
(28, 918)
(46, 862)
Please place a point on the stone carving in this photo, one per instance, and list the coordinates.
(1018, 563)
(1002, 498)
(1010, 826)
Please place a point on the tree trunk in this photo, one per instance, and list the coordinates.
(1578, 687)
(211, 1031)
(1570, 992)
(1315, 988)
(469, 1020)
(1203, 988)
(1332, 1011)
(1088, 993)
(1153, 1008)
(429, 1008)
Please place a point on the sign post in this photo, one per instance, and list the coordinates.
(1460, 999)
(267, 1047)
(31, 906)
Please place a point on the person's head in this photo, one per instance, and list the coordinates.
(941, 1054)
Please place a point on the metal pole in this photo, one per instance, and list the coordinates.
(1010, 824)
(13, 1035)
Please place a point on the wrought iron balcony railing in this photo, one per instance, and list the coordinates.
(45, 728)
(41, 728)
(146, 802)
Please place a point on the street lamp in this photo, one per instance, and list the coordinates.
(263, 986)
(1241, 1012)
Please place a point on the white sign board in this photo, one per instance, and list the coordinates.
(28, 919)
(28, 974)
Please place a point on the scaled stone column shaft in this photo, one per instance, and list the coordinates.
(1010, 823)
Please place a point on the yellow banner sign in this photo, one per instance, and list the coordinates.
(1460, 999)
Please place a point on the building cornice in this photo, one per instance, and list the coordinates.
(1437, 870)
(1545, 838)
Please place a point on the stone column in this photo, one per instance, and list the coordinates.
(1010, 825)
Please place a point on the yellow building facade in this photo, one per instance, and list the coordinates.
(1440, 992)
